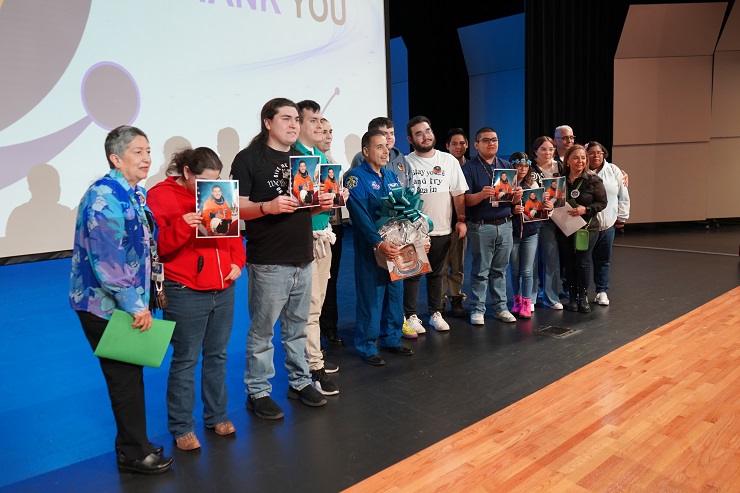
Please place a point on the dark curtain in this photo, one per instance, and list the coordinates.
(569, 67)
(438, 78)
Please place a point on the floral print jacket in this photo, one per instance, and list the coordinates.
(111, 265)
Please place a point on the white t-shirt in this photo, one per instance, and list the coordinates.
(438, 178)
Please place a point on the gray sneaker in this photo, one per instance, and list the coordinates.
(505, 316)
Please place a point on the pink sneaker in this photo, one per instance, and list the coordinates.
(517, 305)
(526, 311)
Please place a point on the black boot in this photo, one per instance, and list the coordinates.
(583, 305)
(572, 300)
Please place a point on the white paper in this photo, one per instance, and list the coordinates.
(568, 224)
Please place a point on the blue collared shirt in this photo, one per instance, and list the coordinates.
(478, 173)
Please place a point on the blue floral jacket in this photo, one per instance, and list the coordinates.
(111, 265)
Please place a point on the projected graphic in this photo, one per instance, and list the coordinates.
(203, 85)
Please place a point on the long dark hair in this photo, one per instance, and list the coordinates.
(269, 110)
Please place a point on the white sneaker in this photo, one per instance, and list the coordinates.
(602, 299)
(438, 322)
(505, 316)
(555, 306)
(476, 319)
(415, 324)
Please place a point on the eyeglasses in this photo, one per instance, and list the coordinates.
(427, 131)
(597, 153)
(488, 141)
(568, 138)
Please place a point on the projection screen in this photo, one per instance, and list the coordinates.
(187, 72)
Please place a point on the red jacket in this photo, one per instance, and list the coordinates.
(178, 247)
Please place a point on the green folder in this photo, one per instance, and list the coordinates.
(122, 342)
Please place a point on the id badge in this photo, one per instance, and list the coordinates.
(157, 272)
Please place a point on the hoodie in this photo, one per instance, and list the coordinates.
(180, 251)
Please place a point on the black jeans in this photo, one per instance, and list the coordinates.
(435, 297)
(126, 391)
(577, 264)
(329, 318)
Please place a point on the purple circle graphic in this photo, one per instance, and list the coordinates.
(110, 95)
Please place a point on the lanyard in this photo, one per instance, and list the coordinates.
(138, 200)
(486, 167)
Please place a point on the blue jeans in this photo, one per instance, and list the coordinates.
(522, 265)
(203, 323)
(548, 263)
(277, 292)
(491, 246)
(602, 257)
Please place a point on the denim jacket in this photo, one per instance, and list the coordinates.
(111, 265)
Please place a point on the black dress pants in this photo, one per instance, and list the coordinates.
(329, 319)
(126, 391)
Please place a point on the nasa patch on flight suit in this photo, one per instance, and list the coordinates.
(351, 182)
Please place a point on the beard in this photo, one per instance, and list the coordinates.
(424, 147)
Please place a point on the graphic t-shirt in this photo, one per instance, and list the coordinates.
(438, 178)
(274, 239)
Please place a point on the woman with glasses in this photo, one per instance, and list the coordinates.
(525, 234)
(548, 256)
(586, 196)
(617, 211)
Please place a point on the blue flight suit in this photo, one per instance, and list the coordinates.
(379, 308)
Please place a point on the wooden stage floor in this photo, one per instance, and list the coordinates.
(661, 413)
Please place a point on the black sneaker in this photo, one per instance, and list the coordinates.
(323, 383)
(330, 367)
(307, 395)
(264, 407)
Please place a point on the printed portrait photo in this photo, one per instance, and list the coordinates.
(304, 175)
(503, 185)
(555, 190)
(534, 207)
(331, 176)
(217, 202)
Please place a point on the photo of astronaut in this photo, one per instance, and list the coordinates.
(217, 201)
(503, 185)
(331, 176)
(304, 178)
(555, 190)
(534, 206)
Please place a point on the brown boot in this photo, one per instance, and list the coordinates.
(457, 307)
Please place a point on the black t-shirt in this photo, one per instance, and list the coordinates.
(284, 239)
